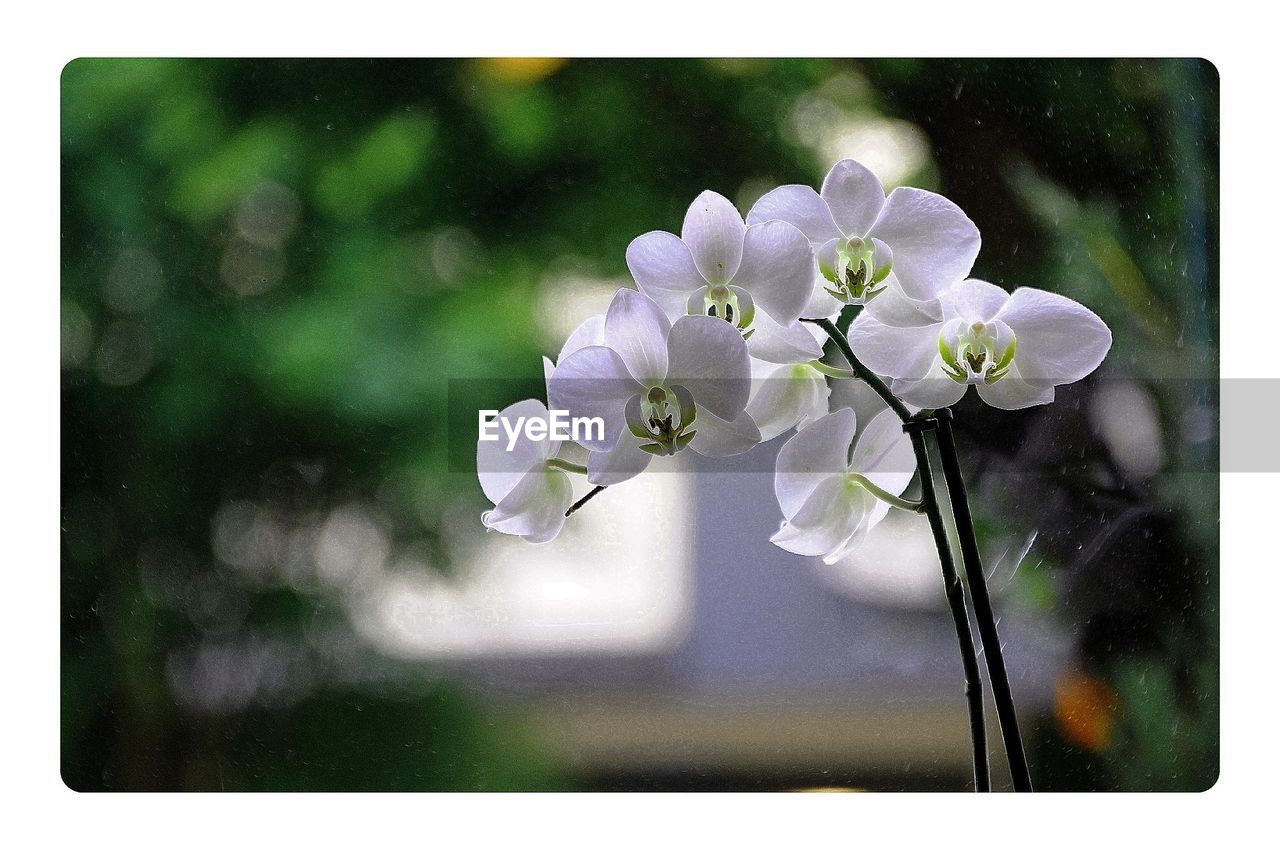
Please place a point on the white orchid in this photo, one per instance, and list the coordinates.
(758, 278)
(865, 243)
(530, 494)
(659, 387)
(831, 498)
(1014, 348)
(590, 332)
(711, 355)
(786, 396)
(529, 489)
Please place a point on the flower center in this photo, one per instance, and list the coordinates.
(856, 277)
(976, 352)
(722, 301)
(662, 418)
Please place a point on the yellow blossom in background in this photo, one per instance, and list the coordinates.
(520, 71)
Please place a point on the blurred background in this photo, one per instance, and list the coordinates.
(274, 575)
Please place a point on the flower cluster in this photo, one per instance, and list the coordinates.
(709, 353)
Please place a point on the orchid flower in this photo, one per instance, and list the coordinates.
(1014, 348)
(659, 387)
(786, 396)
(710, 355)
(759, 279)
(590, 332)
(865, 243)
(831, 498)
(530, 494)
(529, 489)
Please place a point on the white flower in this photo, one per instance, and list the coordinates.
(785, 396)
(659, 387)
(590, 332)
(529, 496)
(865, 243)
(865, 401)
(758, 278)
(1014, 348)
(822, 489)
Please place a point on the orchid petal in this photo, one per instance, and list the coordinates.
(548, 369)
(625, 460)
(637, 329)
(777, 269)
(830, 516)
(810, 456)
(827, 257)
(934, 243)
(900, 352)
(799, 205)
(535, 507)
(864, 400)
(884, 454)
(1015, 392)
(876, 510)
(664, 269)
(933, 391)
(894, 307)
(593, 381)
(590, 332)
(717, 437)
(708, 358)
(793, 343)
(787, 397)
(713, 230)
(973, 300)
(854, 195)
(1059, 341)
(500, 470)
(821, 306)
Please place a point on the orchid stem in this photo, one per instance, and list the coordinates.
(982, 610)
(955, 601)
(951, 582)
(557, 463)
(591, 494)
(885, 496)
(871, 379)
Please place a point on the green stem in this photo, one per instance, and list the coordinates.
(1000, 689)
(557, 463)
(955, 601)
(885, 496)
(832, 371)
(951, 582)
(861, 371)
(590, 495)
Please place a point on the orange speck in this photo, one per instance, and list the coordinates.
(1085, 708)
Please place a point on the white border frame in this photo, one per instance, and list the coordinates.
(44, 37)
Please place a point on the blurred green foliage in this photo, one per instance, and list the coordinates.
(271, 269)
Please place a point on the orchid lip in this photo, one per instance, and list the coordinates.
(971, 356)
(857, 278)
(661, 418)
(724, 301)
